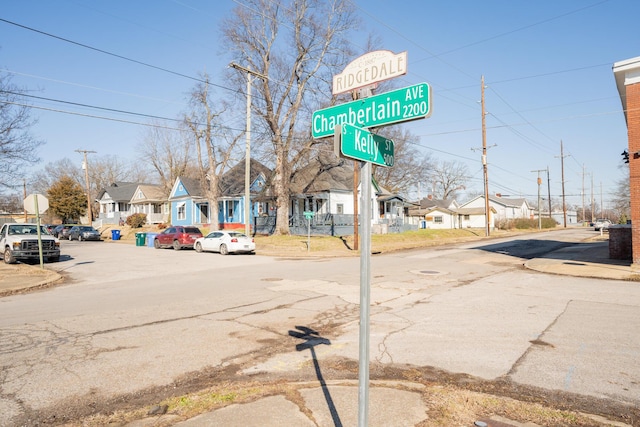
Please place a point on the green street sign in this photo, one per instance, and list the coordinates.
(360, 144)
(401, 105)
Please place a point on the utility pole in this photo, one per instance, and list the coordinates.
(549, 190)
(602, 215)
(85, 166)
(593, 202)
(24, 191)
(484, 162)
(564, 203)
(539, 183)
(583, 217)
(247, 156)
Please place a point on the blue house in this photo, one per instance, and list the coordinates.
(190, 206)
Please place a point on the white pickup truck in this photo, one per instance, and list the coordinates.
(20, 242)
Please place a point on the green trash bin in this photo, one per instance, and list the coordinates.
(140, 238)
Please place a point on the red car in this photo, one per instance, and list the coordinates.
(177, 237)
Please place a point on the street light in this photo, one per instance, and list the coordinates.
(247, 158)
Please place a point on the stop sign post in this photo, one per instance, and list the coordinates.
(37, 204)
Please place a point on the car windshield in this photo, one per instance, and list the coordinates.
(26, 229)
(86, 228)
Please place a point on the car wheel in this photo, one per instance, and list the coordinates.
(176, 245)
(8, 257)
(224, 250)
(156, 244)
(198, 247)
(79, 238)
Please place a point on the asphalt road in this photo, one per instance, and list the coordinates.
(130, 319)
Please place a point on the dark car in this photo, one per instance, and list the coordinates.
(177, 237)
(83, 232)
(62, 231)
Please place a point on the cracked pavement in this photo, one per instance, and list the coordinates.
(459, 309)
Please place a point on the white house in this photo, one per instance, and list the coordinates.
(505, 208)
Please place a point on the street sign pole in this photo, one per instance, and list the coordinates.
(365, 296)
(35, 202)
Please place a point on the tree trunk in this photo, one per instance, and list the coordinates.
(281, 189)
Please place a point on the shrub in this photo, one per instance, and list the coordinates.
(137, 220)
(526, 223)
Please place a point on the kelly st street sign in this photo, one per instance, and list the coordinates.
(401, 105)
(357, 143)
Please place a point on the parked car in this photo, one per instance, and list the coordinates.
(83, 232)
(601, 224)
(19, 241)
(62, 231)
(49, 228)
(225, 242)
(177, 237)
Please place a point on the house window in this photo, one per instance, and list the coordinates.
(340, 208)
(182, 211)
(466, 217)
(230, 209)
(437, 219)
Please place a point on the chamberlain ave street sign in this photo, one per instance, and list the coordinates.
(361, 144)
(401, 105)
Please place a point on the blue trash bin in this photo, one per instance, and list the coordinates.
(150, 238)
(115, 234)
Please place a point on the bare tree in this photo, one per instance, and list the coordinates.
(169, 152)
(622, 194)
(213, 148)
(103, 171)
(17, 145)
(410, 167)
(296, 45)
(53, 172)
(449, 178)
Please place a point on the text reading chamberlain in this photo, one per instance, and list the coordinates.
(410, 103)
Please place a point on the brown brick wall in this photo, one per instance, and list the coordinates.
(620, 242)
(633, 129)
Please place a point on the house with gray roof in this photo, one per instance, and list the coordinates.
(189, 204)
(505, 208)
(121, 199)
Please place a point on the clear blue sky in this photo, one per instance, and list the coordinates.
(547, 67)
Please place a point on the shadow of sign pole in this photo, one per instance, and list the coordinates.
(312, 339)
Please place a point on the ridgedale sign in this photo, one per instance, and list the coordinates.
(370, 68)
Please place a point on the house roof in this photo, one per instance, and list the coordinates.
(511, 203)
(120, 191)
(193, 186)
(427, 203)
(152, 193)
(232, 183)
(421, 211)
(474, 211)
(323, 173)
